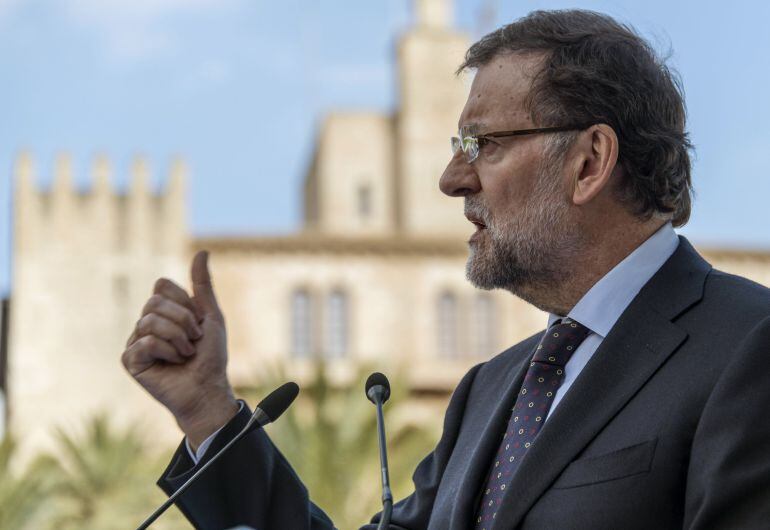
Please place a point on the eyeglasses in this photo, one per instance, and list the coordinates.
(471, 144)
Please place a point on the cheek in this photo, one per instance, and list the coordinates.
(503, 205)
(509, 185)
(505, 193)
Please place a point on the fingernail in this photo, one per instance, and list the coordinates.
(198, 332)
(190, 349)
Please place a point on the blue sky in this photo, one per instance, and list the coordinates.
(238, 86)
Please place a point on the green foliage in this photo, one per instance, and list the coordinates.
(22, 497)
(104, 477)
(107, 479)
(329, 436)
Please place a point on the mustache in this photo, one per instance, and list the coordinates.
(474, 209)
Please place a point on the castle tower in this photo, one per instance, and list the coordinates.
(102, 204)
(63, 206)
(377, 175)
(139, 214)
(27, 201)
(83, 265)
(173, 236)
(349, 190)
(431, 99)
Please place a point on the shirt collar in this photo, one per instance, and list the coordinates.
(603, 304)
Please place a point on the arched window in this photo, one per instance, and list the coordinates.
(484, 325)
(336, 332)
(364, 201)
(447, 325)
(301, 324)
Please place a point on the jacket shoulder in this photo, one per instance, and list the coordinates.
(736, 294)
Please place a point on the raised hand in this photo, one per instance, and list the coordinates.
(178, 353)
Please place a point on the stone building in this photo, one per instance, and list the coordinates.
(376, 275)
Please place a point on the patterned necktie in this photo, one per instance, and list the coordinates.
(543, 378)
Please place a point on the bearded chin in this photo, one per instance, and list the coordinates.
(529, 254)
(495, 263)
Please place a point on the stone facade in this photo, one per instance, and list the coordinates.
(376, 275)
(83, 266)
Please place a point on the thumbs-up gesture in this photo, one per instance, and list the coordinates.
(178, 353)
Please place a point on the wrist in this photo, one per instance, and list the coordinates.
(210, 414)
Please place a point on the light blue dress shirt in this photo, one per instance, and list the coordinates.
(598, 310)
(602, 305)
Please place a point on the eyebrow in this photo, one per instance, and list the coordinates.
(474, 126)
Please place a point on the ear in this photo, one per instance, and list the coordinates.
(596, 157)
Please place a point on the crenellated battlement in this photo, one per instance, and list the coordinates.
(85, 258)
(26, 177)
(101, 218)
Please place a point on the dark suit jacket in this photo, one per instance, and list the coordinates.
(667, 426)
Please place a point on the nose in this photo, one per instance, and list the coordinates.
(459, 178)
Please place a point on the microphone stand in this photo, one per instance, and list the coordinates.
(387, 495)
(268, 410)
(377, 390)
(257, 421)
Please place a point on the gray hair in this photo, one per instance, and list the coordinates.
(596, 70)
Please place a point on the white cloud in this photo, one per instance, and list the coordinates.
(214, 72)
(6, 6)
(356, 74)
(135, 29)
(100, 10)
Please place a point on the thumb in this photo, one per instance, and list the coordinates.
(203, 290)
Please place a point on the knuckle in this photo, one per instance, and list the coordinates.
(161, 284)
(144, 325)
(148, 343)
(153, 303)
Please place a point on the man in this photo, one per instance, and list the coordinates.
(643, 405)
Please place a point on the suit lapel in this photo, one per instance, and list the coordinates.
(491, 427)
(641, 340)
(621, 365)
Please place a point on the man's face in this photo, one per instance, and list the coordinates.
(515, 192)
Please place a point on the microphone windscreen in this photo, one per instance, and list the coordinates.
(375, 379)
(279, 400)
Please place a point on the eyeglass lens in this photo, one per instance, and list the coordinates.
(469, 146)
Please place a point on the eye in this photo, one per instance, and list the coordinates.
(483, 141)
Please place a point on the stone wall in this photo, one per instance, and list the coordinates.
(84, 263)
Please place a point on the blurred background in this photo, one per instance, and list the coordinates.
(301, 143)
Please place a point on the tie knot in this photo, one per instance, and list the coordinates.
(560, 342)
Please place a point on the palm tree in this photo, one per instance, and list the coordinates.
(23, 498)
(107, 480)
(329, 436)
(103, 477)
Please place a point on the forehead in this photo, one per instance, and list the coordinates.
(499, 93)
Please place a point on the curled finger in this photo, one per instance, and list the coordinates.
(148, 350)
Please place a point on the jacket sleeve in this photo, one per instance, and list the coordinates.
(251, 485)
(728, 482)
(254, 485)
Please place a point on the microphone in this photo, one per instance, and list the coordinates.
(268, 410)
(378, 391)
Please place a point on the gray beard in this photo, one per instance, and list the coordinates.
(530, 251)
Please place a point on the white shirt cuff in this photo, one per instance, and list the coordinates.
(203, 447)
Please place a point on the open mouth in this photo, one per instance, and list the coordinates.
(477, 223)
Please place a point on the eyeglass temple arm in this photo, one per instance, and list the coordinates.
(534, 131)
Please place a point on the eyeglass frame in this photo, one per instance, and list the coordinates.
(458, 142)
